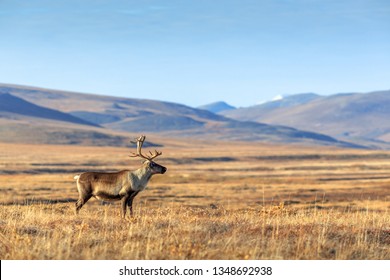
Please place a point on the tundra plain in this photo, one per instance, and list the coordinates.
(218, 200)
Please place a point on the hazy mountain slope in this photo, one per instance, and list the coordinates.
(217, 107)
(352, 116)
(24, 122)
(16, 105)
(22, 129)
(289, 101)
(165, 118)
(257, 112)
(107, 109)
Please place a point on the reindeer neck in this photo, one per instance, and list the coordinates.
(142, 174)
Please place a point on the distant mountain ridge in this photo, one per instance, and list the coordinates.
(118, 115)
(217, 107)
(289, 101)
(361, 117)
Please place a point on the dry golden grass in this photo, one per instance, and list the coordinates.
(217, 201)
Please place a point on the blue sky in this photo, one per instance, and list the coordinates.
(197, 52)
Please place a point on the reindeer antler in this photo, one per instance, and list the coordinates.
(140, 141)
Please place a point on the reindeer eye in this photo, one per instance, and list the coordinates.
(152, 164)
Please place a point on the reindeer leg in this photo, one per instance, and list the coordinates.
(130, 202)
(124, 202)
(83, 198)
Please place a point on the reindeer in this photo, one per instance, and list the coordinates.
(123, 185)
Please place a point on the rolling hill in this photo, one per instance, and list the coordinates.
(24, 122)
(351, 117)
(15, 105)
(117, 115)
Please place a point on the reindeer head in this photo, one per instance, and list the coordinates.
(148, 163)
